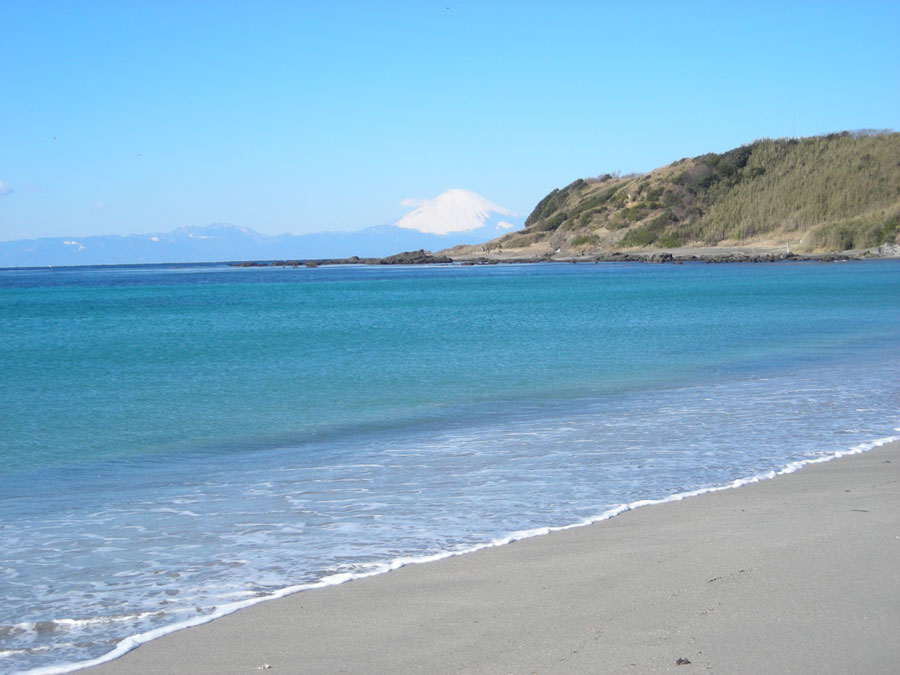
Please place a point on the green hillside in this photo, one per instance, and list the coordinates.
(825, 193)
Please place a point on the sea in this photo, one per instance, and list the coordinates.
(180, 441)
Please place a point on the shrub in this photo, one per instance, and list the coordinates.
(585, 218)
(707, 179)
(857, 233)
(710, 159)
(734, 160)
(755, 172)
(635, 213)
(544, 208)
(552, 223)
(643, 235)
(592, 202)
(668, 241)
(519, 240)
(670, 198)
(585, 240)
(890, 231)
(655, 193)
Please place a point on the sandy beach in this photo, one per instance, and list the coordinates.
(799, 574)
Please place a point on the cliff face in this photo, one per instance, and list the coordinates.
(825, 193)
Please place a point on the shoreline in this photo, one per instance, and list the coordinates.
(710, 255)
(475, 255)
(671, 256)
(255, 627)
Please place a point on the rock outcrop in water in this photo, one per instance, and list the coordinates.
(420, 257)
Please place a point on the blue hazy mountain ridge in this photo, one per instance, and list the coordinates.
(471, 220)
(220, 242)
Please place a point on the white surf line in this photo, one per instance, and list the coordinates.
(134, 641)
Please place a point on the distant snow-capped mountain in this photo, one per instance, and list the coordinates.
(453, 217)
(455, 211)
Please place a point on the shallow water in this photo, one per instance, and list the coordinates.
(176, 439)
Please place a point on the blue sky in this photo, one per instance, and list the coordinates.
(131, 117)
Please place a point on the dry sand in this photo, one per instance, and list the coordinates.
(800, 574)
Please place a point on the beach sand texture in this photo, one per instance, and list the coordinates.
(799, 574)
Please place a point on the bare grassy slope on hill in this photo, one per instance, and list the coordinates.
(824, 193)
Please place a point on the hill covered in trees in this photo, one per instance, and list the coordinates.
(825, 193)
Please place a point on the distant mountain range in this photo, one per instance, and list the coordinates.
(452, 218)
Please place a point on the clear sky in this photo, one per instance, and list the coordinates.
(132, 117)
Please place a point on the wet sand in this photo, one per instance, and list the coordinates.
(799, 574)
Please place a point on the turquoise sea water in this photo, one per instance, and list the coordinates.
(174, 439)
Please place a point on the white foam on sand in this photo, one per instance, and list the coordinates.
(132, 642)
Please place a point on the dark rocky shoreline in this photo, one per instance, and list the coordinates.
(422, 257)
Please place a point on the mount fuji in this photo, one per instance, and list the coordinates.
(456, 211)
(451, 218)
